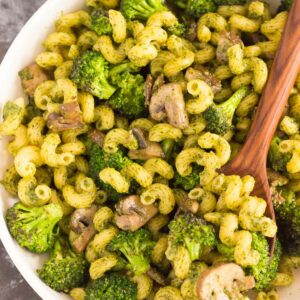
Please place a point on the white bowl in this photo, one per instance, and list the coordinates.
(21, 53)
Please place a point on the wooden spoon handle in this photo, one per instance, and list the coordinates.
(281, 80)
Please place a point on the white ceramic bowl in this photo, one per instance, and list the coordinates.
(21, 53)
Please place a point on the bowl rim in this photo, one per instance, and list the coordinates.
(9, 244)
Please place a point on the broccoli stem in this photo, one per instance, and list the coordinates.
(194, 249)
(228, 107)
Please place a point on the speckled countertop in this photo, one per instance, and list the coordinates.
(13, 15)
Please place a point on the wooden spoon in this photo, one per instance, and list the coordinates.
(252, 159)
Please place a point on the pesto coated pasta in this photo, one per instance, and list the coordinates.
(130, 112)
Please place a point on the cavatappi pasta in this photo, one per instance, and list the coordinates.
(132, 111)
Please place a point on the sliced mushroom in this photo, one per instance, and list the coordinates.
(148, 149)
(82, 223)
(184, 203)
(132, 214)
(200, 72)
(148, 89)
(159, 81)
(157, 276)
(32, 76)
(168, 101)
(69, 118)
(225, 281)
(97, 137)
(153, 150)
(140, 136)
(226, 40)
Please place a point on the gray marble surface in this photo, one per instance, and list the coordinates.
(13, 15)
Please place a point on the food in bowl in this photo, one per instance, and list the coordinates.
(132, 109)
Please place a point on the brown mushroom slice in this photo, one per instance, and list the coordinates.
(97, 137)
(82, 223)
(200, 72)
(82, 218)
(184, 203)
(159, 81)
(69, 118)
(156, 276)
(168, 102)
(224, 281)
(148, 89)
(147, 149)
(132, 214)
(32, 76)
(226, 40)
(140, 136)
(175, 108)
(151, 151)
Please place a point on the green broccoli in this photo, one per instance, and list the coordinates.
(278, 160)
(34, 228)
(98, 160)
(65, 269)
(179, 3)
(288, 219)
(90, 73)
(100, 22)
(178, 29)
(219, 117)
(265, 271)
(230, 2)
(136, 247)
(196, 8)
(226, 251)
(141, 9)
(188, 182)
(129, 99)
(111, 287)
(193, 233)
(117, 70)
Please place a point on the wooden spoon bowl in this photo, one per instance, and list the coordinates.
(252, 159)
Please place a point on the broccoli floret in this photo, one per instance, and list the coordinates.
(99, 160)
(179, 3)
(193, 233)
(265, 271)
(136, 247)
(111, 287)
(278, 160)
(100, 22)
(219, 117)
(65, 269)
(226, 251)
(178, 29)
(196, 8)
(230, 2)
(129, 99)
(188, 182)
(34, 228)
(141, 9)
(90, 73)
(288, 220)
